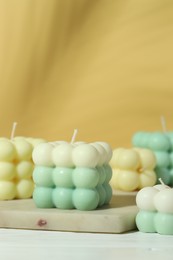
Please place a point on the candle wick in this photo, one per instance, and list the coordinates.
(161, 181)
(13, 130)
(163, 123)
(74, 136)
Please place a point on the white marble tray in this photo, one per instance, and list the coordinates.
(117, 217)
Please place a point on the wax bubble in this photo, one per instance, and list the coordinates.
(42, 154)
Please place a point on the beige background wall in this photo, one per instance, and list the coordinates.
(102, 66)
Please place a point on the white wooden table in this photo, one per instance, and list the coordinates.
(16, 244)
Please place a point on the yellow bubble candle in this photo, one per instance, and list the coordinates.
(16, 166)
(133, 169)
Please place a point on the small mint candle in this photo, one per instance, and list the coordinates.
(155, 209)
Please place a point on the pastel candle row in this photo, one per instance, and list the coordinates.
(133, 168)
(155, 209)
(72, 175)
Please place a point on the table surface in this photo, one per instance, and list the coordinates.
(17, 244)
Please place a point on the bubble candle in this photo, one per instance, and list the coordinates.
(133, 169)
(155, 209)
(16, 166)
(72, 175)
(161, 143)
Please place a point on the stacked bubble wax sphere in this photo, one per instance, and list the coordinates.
(16, 167)
(155, 210)
(72, 175)
(162, 145)
(132, 169)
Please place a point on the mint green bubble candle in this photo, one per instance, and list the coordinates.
(155, 209)
(72, 175)
(161, 143)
